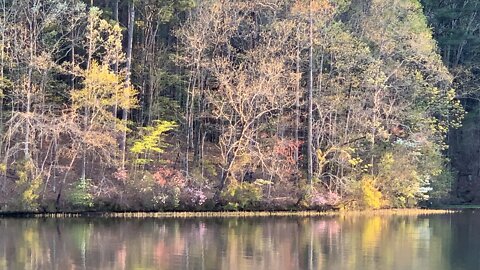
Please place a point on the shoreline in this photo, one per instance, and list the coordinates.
(232, 214)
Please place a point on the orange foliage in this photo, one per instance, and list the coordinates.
(283, 157)
(285, 150)
(172, 177)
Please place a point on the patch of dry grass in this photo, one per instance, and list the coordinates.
(384, 212)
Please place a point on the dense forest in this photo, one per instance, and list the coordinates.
(235, 104)
(457, 29)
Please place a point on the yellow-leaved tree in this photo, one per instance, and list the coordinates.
(102, 93)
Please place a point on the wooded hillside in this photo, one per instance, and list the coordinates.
(207, 105)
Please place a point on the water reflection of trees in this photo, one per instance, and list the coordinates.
(233, 243)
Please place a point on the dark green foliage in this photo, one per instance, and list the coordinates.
(456, 25)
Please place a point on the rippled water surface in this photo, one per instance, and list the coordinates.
(434, 242)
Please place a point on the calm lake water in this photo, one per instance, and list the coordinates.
(437, 242)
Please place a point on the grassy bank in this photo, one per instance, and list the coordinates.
(383, 212)
(463, 207)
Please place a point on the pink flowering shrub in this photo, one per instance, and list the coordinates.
(121, 174)
(193, 196)
(324, 199)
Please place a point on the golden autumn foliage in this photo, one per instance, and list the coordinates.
(103, 90)
(371, 196)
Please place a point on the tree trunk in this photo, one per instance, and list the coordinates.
(297, 104)
(310, 102)
(116, 66)
(115, 10)
(131, 23)
(2, 63)
(73, 57)
(28, 86)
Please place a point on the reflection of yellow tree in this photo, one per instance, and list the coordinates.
(29, 250)
(348, 242)
(371, 234)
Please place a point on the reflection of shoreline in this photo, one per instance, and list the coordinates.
(347, 242)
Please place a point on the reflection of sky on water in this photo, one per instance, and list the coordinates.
(374, 242)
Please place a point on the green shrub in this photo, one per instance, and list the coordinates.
(243, 195)
(80, 196)
(27, 185)
(441, 186)
(409, 170)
